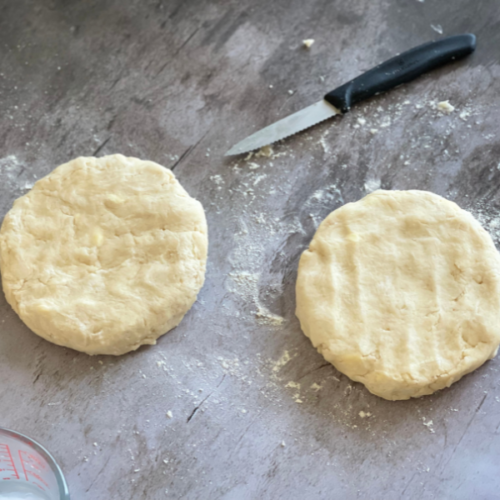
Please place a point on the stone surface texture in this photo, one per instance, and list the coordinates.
(235, 403)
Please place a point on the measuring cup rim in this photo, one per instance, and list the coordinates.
(61, 481)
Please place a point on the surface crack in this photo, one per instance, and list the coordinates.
(466, 429)
(187, 152)
(199, 406)
(183, 44)
(314, 370)
(99, 473)
(101, 146)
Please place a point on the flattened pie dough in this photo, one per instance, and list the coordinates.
(104, 254)
(401, 292)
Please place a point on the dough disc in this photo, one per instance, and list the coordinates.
(104, 254)
(401, 292)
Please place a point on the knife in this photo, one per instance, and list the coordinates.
(400, 69)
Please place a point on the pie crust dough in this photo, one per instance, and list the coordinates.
(104, 254)
(401, 292)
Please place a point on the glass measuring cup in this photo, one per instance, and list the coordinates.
(28, 471)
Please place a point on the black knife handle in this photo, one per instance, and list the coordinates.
(401, 69)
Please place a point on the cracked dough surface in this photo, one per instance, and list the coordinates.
(401, 292)
(104, 254)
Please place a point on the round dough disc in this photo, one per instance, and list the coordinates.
(401, 292)
(104, 254)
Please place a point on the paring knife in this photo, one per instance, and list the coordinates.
(394, 72)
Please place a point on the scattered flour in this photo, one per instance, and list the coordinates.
(256, 241)
(385, 122)
(282, 361)
(15, 180)
(246, 285)
(489, 217)
(217, 179)
(372, 185)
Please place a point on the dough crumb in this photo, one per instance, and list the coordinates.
(283, 444)
(290, 92)
(263, 313)
(464, 114)
(445, 107)
(323, 143)
(217, 179)
(373, 131)
(428, 424)
(315, 387)
(169, 414)
(293, 384)
(386, 122)
(437, 28)
(307, 43)
(266, 151)
(361, 120)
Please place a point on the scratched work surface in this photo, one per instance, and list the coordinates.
(256, 413)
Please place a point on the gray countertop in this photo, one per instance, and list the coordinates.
(256, 413)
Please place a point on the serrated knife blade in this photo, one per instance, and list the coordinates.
(286, 127)
(396, 71)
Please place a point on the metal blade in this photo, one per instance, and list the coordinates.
(290, 125)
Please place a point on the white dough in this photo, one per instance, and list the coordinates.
(445, 107)
(401, 292)
(104, 254)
